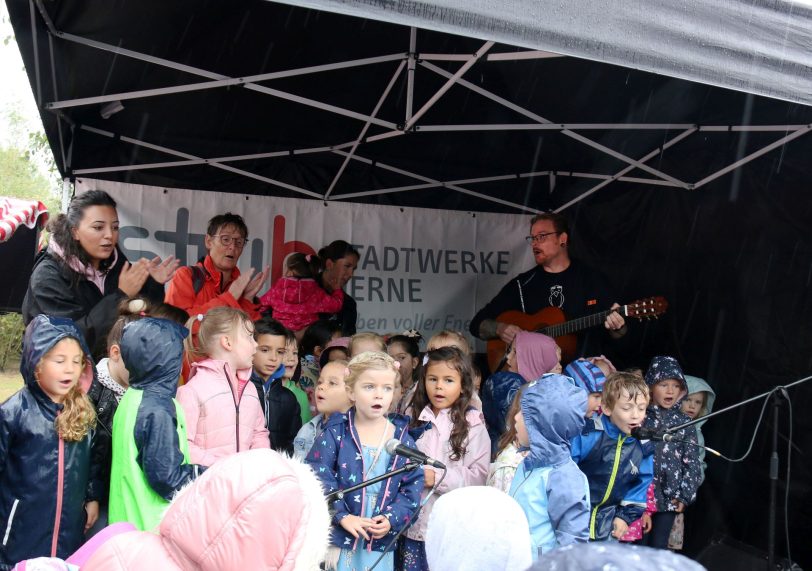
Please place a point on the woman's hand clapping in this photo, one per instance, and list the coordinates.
(162, 271)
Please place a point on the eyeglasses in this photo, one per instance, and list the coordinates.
(539, 237)
(226, 240)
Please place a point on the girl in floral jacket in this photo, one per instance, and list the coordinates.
(351, 450)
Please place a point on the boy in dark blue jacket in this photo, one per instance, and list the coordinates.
(619, 469)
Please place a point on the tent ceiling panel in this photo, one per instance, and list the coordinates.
(759, 47)
(259, 97)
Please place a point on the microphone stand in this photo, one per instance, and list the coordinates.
(778, 393)
(339, 494)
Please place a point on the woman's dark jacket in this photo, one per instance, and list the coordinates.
(54, 290)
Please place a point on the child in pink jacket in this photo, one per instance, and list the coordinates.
(297, 299)
(222, 409)
(451, 431)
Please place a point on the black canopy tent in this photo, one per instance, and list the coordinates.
(694, 191)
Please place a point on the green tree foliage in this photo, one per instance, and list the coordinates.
(19, 178)
(11, 338)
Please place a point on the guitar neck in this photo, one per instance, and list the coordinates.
(579, 324)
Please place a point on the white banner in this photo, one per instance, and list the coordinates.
(419, 268)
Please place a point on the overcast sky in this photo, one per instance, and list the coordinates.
(16, 91)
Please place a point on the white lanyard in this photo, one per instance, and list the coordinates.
(380, 449)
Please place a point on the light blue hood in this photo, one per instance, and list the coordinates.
(553, 410)
(696, 385)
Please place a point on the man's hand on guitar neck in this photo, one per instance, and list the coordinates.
(615, 323)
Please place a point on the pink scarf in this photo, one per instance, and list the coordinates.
(91, 274)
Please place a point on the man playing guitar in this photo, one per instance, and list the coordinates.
(556, 281)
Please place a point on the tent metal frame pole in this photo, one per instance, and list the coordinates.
(219, 83)
(568, 133)
(216, 76)
(177, 153)
(365, 128)
(604, 126)
(522, 55)
(430, 182)
(629, 168)
(502, 56)
(452, 79)
(66, 195)
(752, 156)
(410, 73)
(647, 181)
(225, 159)
(35, 42)
(58, 115)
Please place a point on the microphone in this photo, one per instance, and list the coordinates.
(641, 433)
(394, 446)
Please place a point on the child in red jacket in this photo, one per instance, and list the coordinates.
(297, 299)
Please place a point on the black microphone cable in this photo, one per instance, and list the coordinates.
(411, 521)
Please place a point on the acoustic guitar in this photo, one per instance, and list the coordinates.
(551, 322)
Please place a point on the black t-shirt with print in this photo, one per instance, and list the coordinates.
(577, 291)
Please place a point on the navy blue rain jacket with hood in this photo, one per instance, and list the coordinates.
(498, 391)
(549, 486)
(38, 470)
(155, 368)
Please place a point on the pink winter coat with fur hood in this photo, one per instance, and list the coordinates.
(223, 412)
(257, 510)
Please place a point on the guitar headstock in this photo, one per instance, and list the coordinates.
(648, 308)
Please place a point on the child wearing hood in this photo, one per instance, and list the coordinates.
(590, 377)
(530, 356)
(677, 469)
(618, 467)
(697, 404)
(150, 449)
(297, 299)
(45, 434)
(548, 484)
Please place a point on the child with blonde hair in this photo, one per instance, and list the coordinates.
(618, 467)
(508, 455)
(222, 408)
(449, 338)
(45, 427)
(331, 397)
(366, 341)
(351, 450)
